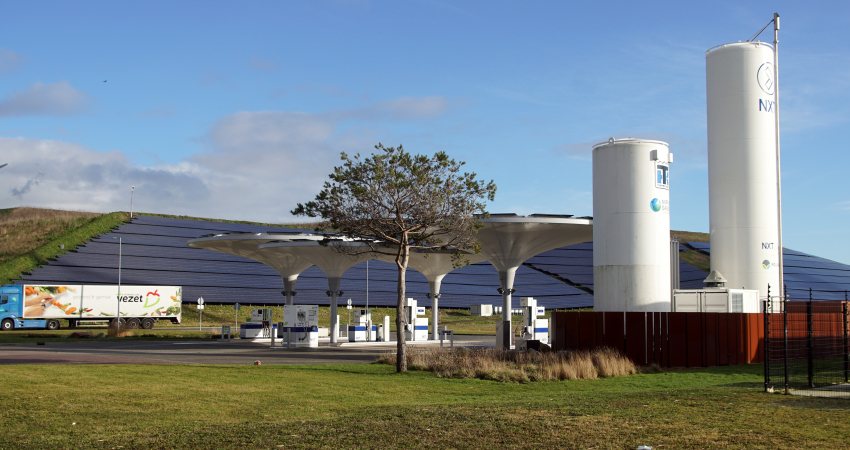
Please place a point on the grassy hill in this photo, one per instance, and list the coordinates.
(30, 237)
(23, 230)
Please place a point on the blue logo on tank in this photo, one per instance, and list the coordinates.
(655, 204)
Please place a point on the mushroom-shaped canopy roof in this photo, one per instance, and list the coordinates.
(333, 257)
(437, 263)
(507, 240)
(248, 245)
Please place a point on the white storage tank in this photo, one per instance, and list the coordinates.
(631, 225)
(743, 192)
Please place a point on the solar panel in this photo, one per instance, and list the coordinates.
(804, 273)
(155, 251)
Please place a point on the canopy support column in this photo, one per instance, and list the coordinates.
(289, 288)
(506, 288)
(334, 292)
(435, 304)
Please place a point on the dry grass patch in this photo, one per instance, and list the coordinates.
(25, 229)
(516, 366)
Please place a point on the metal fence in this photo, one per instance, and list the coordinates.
(806, 348)
(674, 339)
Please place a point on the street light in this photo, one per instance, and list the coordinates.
(132, 189)
(118, 313)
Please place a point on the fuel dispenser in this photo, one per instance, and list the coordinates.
(260, 326)
(533, 329)
(417, 327)
(362, 330)
(300, 326)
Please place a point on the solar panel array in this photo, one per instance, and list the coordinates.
(574, 266)
(154, 252)
(806, 276)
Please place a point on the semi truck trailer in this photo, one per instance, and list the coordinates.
(45, 305)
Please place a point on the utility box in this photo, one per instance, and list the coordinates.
(481, 310)
(718, 300)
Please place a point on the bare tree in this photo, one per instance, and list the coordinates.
(403, 202)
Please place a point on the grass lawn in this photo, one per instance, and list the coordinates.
(149, 406)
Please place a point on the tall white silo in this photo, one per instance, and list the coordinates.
(743, 194)
(631, 225)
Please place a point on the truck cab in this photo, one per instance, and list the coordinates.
(11, 311)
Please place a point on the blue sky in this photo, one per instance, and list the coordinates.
(239, 110)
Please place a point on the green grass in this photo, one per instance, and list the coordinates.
(693, 257)
(149, 406)
(25, 229)
(57, 244)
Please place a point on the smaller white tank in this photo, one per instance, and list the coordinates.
(631, 225)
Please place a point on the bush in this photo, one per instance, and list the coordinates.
(516, 366)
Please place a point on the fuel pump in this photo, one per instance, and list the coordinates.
(417, 327)
(362, 330)
(534, 327)
(300, 326)
(260, 326)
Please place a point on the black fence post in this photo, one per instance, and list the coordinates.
(766, 342)
(810, 335)
(785, 337)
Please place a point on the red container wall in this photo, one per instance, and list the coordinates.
(677, 339)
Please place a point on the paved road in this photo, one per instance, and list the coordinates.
(195, 352)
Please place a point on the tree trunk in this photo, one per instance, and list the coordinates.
(401, 318)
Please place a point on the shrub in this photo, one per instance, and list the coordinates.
(516, 366)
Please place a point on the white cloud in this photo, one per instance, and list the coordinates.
(257, 165)
(9, 60)
(263, 163)
(56, 99)
(61, 175)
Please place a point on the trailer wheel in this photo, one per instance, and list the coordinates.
(147, 324)
(52, 324)
(132, 324)
(7, 324)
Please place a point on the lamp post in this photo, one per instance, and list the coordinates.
(119, 281)
(132, 190)
(118, 312)
(781, 258)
